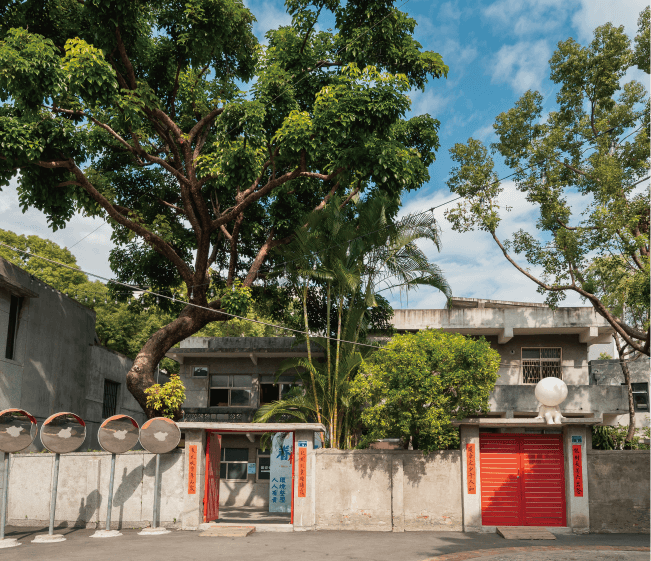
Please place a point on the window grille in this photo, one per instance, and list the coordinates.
(199, 371)
(110, 404)
(540, 363)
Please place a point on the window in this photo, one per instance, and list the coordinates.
(540, 363)
(199, 371)
(264, 464)
(110, 405)
(12, 331)
(234, 463)
(641, 396)
(230, 390)
(272, 391)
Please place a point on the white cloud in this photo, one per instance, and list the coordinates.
(92, 253)
(428, 102)
(268, 16)
(594, 13)
(483, 133)
(527, 17)
(473, 264)
(523, 65)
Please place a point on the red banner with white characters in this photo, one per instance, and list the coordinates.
(577, 468)
(471, 469)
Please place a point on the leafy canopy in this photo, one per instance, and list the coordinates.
(415, 386)
(595, 144)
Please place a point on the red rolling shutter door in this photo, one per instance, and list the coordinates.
(544, 480)
(522, 480)
(500, 488)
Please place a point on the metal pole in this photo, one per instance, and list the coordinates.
(154, 522)
(5, 493)
(53, 498)
(110, 495)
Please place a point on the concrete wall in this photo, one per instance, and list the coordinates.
(618, 482)
(574, 357)
(385, 490)
(83, 489)
(58, 364)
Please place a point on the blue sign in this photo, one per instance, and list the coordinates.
(280, 482)
(577, 440)
(302, 443)
(251, 468)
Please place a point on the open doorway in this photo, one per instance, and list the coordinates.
(246, 484)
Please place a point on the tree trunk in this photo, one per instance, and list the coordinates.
(621, 349)
(141, 375)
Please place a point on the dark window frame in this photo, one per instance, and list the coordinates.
(229, 388)
(194, 366)
(15, 306)
(640, 396)
(224, 463)
(110, 399)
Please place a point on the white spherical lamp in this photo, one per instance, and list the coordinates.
(551, 391)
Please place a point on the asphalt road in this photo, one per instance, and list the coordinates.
(321, 546)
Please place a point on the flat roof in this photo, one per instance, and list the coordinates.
(252, 427)
(495, 422)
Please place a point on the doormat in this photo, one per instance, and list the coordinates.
(228, 532)
(525, 533)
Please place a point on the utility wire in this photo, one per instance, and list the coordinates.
(431, 209)
(173, 299)
(82, 239)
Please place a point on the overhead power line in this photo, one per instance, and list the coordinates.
(174, 299)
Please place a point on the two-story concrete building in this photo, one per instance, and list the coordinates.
(51, 360)
(535, 342)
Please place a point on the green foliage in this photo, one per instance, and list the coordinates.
(614, 438)
(236, 299)
(134, 112)
(595, 144)
(604, 356)
(329, 259)
(167, 399)
(416, 385)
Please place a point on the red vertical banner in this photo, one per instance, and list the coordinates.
(577, 468)
(302, 472)
(471, 469)
(192, 470)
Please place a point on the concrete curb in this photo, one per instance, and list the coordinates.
(478, 553)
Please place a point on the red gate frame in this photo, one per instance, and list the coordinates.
(219, 434)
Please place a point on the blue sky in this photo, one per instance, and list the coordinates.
(495, 51)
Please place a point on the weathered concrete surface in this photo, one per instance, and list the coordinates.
(319, 546)
(618, 481)
(59, 364)
(385, 490)
(353, 490)
(83, 489)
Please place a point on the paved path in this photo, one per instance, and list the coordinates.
(323, 546)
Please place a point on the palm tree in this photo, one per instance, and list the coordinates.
(352, 259)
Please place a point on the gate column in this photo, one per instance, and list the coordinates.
(471, 501)
(193, 478)
(575, 443)
(304, 484)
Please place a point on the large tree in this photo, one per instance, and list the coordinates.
(595, 144)
(133, 111)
